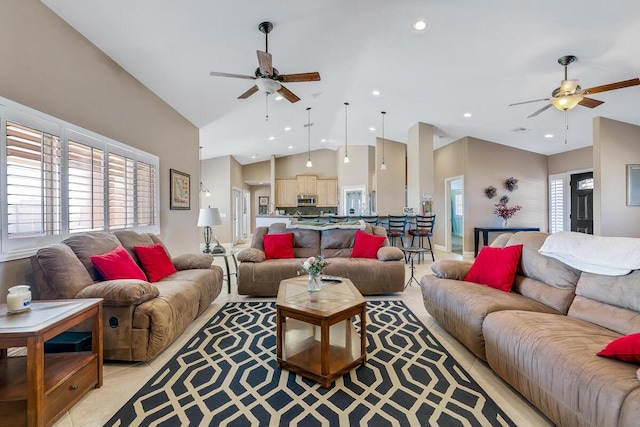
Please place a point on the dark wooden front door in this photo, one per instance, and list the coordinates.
(582, 202)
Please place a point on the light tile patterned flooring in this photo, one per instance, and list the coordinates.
(122, 380)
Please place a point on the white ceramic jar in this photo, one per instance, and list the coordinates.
(19, 299)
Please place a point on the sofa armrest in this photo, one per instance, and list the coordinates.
(192, 261)
(451, 269)
(251, 255)
(123, 292)
(390, 253)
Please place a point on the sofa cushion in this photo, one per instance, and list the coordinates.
(117, 264)
(122, 292)
(64, 274)
(278, 246)
(625, 348)
(91, 243)
(366, 245)
(251, 255)
(390, 253)
(551, 360)
(155, 261)
(451, 268)
(306, 243)
(495, 267)
(130, 238)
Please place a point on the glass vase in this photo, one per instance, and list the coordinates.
(505, 223)
(313, 283)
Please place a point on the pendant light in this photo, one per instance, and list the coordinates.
(383, 166)
(346, 144)
(309, 164)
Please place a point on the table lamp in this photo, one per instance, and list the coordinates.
(207, 218)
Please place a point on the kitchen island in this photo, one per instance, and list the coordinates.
(267, 220)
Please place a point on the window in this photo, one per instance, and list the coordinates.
(61, 179)
(458, 204)
(585, 184)
(86, 187)
(556, 203)
(33, 182)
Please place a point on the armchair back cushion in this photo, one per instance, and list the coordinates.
(59, 272)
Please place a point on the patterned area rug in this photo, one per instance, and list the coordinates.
(227, 375)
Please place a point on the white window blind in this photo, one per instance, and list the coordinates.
(556, 203)
(121, 191)
(86, 187)
(33, 169)
(146, 194)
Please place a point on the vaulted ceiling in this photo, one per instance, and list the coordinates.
(473, 57)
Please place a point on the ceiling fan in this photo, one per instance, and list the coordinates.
(267, 78)
(570, 94)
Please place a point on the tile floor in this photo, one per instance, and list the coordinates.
(122, 380)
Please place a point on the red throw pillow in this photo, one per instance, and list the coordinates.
(625, 348)
(495, 267)
(278, 245)
(117, 264)
(155, 261)
(366, 245)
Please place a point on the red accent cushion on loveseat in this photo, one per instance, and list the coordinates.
(625, 348)
(117, 264)
(495, 267)
(366, 245)
(278, 246)
(155, 261)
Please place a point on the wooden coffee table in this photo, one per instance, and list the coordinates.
(314, 332)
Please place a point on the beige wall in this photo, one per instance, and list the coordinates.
(256, 192)
(324, 165)
(615, 144)
(216, 176)
(391, 183)
(568, 161)
(257, 172)
(48, 66)
(420, 175)
(483, 163)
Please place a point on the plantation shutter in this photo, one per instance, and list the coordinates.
(33, 182)
(146, 194)
(556, 203)
(121, 191)
(86, 187)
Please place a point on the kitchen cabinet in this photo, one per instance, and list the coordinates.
(306, 184)
(327, 192)
(286, 193)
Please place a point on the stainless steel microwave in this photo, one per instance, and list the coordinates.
(306, 200)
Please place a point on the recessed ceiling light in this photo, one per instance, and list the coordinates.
(467, 115)
(548, 135)
(419, 25)
(254, 156)
(375, 92)
(271, 138)
(372, 129)
(290, 147)
(287, 129)
(323, 140)
(279, 98)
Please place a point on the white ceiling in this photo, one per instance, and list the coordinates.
(475, 56)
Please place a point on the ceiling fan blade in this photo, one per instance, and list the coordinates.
(540, 111)
(590, 102)
(265, 62)
(528, 102)
(248, 93)
(235, 76)
(610, 86)
(290, 96)
(300, 77)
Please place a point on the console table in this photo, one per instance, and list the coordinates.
(486, 230)
(37, 388)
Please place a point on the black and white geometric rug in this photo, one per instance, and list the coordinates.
(226, 375)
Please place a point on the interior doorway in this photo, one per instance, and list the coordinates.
(354, 200)
(454, 214)
(246, 208)
(582, 202)
(237, 215)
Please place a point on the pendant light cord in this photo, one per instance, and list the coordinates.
(309, 133)
(346, 144)
(383, 113)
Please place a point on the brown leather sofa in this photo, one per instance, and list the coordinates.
(140, 319)
(542, 338)
(371, 276)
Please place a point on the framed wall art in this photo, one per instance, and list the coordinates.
(633, 185)
(180, 190)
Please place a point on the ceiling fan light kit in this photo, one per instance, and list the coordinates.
(267, 85)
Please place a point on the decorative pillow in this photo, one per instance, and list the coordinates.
(155, 261)
(278, 245)
(625, 348)
(366, 245)
(117, 264)
(495, 267)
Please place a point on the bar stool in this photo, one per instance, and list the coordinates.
(312, 218)
(396, 226)
(370, 219)
(337, 218)
(424, 228)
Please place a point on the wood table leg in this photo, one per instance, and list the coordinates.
(324, 350)
(35, 381)
(363, 333)
(278, 338)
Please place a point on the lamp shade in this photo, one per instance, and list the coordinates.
(566, 102)
(209, 217)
